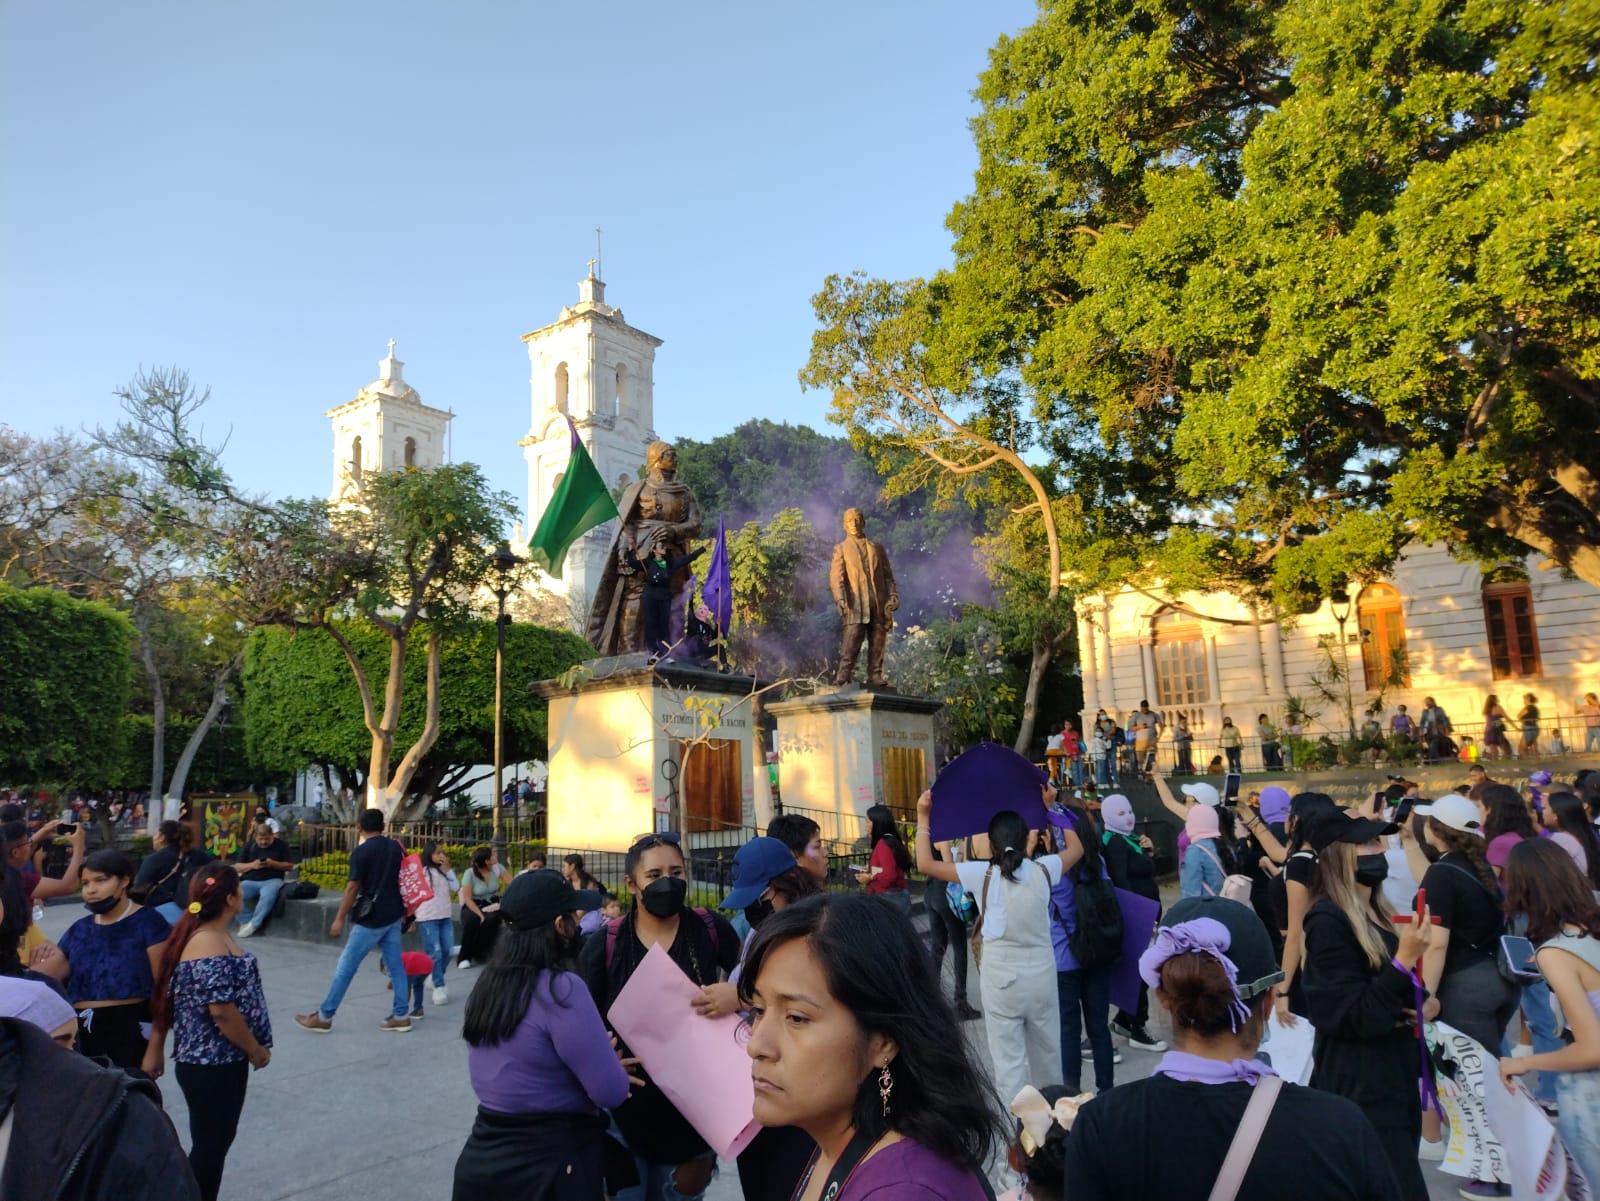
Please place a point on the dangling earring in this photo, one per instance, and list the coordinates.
(885, 1087)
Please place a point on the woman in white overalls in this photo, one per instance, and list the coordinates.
(1017, 979)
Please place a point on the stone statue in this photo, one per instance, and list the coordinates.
(863, 588)
(659, 519)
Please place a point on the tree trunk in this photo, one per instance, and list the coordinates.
(219, 694)
(392, 794)
(1044, 650)
(158, 728)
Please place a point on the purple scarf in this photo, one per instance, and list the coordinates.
(1180, 1065)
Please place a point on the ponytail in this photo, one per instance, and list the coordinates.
(1008, 842)
(209, 890)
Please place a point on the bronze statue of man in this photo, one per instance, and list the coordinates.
(659, 517)
(863, 588)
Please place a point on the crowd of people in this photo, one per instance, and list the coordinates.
(1368, 923)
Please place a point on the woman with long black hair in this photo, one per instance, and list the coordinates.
(542, 1065)
(1575, 834)
(1291, 896)
(480, 906)
(885, 875)
(1017, 979)
(163, 876)
(852, 1041)
(1083, 990)
(674, 1163)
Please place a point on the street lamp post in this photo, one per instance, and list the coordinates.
(1339, 604)
(502, 565)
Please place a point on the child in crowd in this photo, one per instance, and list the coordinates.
(1038, 1152)
(418, 968)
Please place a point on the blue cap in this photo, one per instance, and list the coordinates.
(756, 863)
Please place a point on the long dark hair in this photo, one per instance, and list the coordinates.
(1008, 842)
(1572, 818)
(1543, 883)
(14, 923)
(1507, 814)
(480, 860)
(209, 890)
(504, 990)
(429, 848)
(585, 880)
(179, 836)
(1470, 847)
(874, 964)
(1089, 867)
(882, 827)
(1302, 807)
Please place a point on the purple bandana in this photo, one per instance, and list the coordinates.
(1180, 1065)
(1202, 934)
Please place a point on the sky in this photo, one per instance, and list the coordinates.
(263, 195)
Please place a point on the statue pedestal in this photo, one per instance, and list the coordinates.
(617, 753)
(842, 751)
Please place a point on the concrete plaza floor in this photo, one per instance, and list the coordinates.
(360, 1114)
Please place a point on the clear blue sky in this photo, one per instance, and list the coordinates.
(265, 194)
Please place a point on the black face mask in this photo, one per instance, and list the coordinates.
(664, 897)
(757, 913)
(103, 905)
(1371, 870)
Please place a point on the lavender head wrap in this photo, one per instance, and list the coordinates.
(1204, 934)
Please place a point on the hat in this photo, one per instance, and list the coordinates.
(1274, 804)
(1455, 811)
(1249, 947)
(1329, 827)
(1202, 792)
(754, 865)
(34, 1002)
(537, 898)
(1117, 813)
(1201, 823)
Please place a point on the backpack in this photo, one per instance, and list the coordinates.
(1096, 941)
(614, 926)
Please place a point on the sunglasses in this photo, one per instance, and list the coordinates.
(651, 841)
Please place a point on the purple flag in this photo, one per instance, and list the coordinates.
(718, 590)
(980, 782)
(1139, 916)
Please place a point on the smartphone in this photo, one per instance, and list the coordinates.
(1519, 955)
(1402, 809)
(68, 828)
(1230, 787)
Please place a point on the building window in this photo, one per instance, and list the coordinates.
(1383, 638)
(1513, 640)
(561, 388)
(411, 452)
(622, 390)
(1180, 652)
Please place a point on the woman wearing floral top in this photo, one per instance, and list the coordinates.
(208, 993)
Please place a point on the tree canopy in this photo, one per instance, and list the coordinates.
(1268, 291)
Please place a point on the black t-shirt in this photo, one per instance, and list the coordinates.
(649, 1122)
(1464, 907)
(1300, 867)
(253, 851)
(375, 866)
(1129, 867)
(1316, 1147)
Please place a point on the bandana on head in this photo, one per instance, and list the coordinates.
(1117, 813)
(1203, 934)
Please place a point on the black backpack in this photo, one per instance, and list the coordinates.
(1096, 941)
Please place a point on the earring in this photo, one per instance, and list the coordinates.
(885, 1087)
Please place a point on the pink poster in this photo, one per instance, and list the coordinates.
(699, 1063)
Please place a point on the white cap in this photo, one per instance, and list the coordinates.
(1201, 792)
(1455, 811)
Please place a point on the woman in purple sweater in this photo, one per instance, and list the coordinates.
(541, 1062)
(851, 1040)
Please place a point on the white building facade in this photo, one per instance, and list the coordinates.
(385, 428)
(1437, 627)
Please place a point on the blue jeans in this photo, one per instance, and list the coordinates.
(1579, 1123)
(438, 938)
(414, 987)
(1541, 1021)
(1085, 1001)
(1235, 756)
(361, 940)
(260, 896)
(1102, 770)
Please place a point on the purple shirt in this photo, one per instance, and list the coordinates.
(559, 1060)
(908, 1171)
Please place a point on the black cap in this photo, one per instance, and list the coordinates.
(1329, 828)
(1249, 946)
(538, 898)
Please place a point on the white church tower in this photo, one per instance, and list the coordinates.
(594, 367)
(385, 428)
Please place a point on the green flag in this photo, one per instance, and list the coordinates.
(580, 503)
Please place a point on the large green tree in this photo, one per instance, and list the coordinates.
(303, 705)
(1278, 288)
(64, 669)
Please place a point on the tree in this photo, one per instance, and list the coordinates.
(781, 612)
(303, 704)
(1286, 291)
(415, 545)
(64, 670)
(961, 662)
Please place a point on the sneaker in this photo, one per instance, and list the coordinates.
(1484, 1188)
(1142, 1040)
(417, 1013)
(1430, 1152)
(1116, 1052)
(441, 995)
(398, 1025)
(314, 1022)
(244, 931)
(464, 964)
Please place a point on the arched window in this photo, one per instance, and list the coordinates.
(355, 458)
(1513, 640)
(622, 390)
(411, 452)
(561, 388)
(1180, 652)
(1383, 638)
